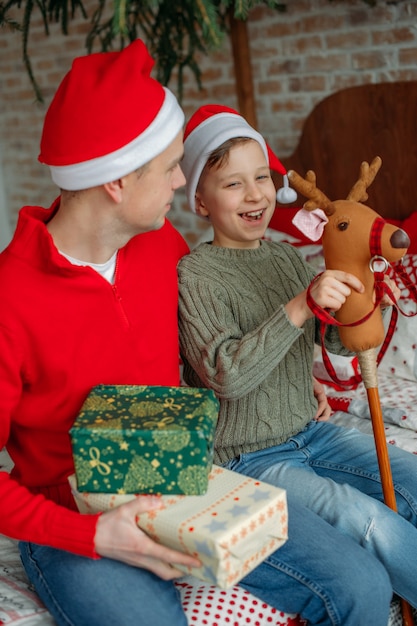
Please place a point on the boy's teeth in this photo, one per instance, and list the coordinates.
(254, 213)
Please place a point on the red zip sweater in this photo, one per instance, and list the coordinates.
(64, 329)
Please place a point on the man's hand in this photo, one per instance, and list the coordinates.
(118, 537)
(386, 301)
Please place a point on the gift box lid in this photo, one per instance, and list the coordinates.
(148, 439)
(146, 409)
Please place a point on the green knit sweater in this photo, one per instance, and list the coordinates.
(237, 340)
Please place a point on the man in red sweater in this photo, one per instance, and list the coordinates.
(89, 296)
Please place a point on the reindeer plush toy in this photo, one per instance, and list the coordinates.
(357, 240)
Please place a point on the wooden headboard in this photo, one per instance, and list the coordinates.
(354, 125)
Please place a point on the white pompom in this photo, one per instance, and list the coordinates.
(286, 195)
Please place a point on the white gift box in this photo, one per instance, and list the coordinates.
(231, 529)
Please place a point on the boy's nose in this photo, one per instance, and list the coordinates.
(253, 192)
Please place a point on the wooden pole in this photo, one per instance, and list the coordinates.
(367, 362)
(243, 69)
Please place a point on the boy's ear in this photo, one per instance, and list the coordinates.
(200, 207)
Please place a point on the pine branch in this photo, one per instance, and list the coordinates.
(25, 37)
(175, 32)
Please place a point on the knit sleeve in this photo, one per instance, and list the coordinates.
(332, 340)
(213, 343)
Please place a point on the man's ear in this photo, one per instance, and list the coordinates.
(200, 207)
(115, 189)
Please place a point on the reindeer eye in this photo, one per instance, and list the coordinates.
(343, 225)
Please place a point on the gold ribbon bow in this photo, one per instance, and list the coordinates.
(159, 423)
(169, 404)
(102, 468)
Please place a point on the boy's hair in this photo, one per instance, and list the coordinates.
(220, 156)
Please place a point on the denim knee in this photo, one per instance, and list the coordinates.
(355, 592)
(79, 591)
(367, 593)
(323, 575)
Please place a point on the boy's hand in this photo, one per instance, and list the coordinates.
(332, 287)
(329, 290)
(323, 410)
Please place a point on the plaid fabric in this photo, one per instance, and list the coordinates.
(375, 236)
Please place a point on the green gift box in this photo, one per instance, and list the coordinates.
(145, 439)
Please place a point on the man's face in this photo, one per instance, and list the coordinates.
(149, 193)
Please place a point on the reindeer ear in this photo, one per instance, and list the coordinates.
(311, 223)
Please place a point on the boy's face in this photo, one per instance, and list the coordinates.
(238, 197)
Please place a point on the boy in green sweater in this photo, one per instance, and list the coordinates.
(247, 332)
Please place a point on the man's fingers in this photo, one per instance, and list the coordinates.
(159, 559)
(161, 569)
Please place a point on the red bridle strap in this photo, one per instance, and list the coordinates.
(379, 267)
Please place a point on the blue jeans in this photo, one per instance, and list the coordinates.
(79, 591)
(333, 471)
(319, 573)
(323, 575)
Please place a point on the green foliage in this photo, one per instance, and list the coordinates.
(175, 32)
(51, 10)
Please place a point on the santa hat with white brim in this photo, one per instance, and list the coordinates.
(209, 127)
(107, 119)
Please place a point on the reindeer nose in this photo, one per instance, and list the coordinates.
(400, 239)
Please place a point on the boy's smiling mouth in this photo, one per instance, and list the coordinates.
(252, 216)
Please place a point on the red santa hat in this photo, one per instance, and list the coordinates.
(209, 127)
(107, 118)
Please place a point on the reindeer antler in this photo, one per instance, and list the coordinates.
(367, 174)
(307, 187)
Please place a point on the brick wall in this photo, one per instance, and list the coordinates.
(315, 48)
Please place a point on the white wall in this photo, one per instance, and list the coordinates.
(5, 229)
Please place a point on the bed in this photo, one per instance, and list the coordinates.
(204, 604)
